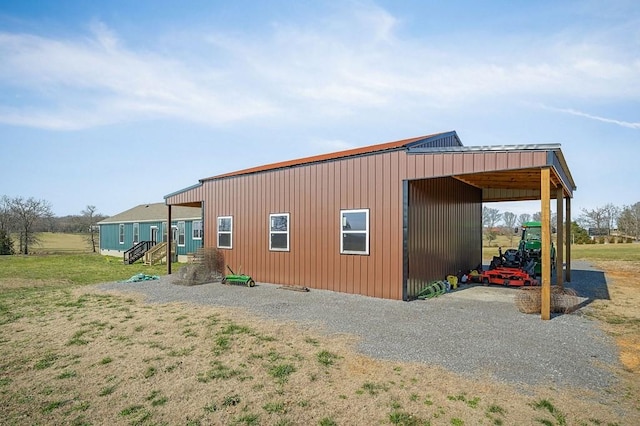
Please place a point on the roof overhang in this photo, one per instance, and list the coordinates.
(513, 183)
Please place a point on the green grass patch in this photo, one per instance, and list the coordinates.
(326, 358)
(281, 372)
(76, 269)
(546, 405)
(67, 374)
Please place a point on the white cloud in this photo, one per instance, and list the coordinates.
(350, 62)
(621, 123)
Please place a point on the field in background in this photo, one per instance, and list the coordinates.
(74, 355)
(60, 243)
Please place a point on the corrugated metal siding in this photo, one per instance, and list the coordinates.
(444, 218)
(314, 196)
(444, 233)
(424, 165)
(191, 195)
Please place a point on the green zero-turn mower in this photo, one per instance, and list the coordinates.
(240, 278)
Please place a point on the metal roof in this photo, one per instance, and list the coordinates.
(153, 212)
(434, 140)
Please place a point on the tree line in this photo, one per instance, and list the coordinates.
(603, 221)
(21, 219)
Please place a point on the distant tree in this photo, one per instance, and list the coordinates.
(629, 221)
(579, 235)
(7, 220)
(27, 213)
(7, 224)
(490, 218)
(596, 218)
(524, 217)
(509, 220)
(611, 214)
(537, 217)
(6, 244)
(89, 220)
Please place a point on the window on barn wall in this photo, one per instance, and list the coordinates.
(181, 234)
(197, 229)
(225, 231)
(279, 232)
(121, 233)
(354, 231)
(136, 233)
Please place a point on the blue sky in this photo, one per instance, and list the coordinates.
(119, 103)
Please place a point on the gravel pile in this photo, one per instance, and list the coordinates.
(475, 331)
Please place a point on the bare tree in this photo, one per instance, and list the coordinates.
(490, 218)
(6, 225)
(537, 217)
(27, 213)
(524, 217)
(611, 214)
(629, 221)
(597, 218)
(89, 221)
(509, 220)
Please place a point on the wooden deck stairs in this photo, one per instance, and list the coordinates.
(158, 254)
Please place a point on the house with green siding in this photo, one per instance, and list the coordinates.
(148, 222)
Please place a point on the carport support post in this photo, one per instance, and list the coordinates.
(560, 239)
(545, 210)
(169, 254)
(569, 240)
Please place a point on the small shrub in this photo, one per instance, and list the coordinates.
(106, 360)
(327, 421)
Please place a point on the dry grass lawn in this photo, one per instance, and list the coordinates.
(85, 357)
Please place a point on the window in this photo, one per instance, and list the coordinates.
(121, 233)
(181, 234)
(354, 231)
(279, 232)
(197, 229)
(136, 233)
(225, 230)
(164, 232)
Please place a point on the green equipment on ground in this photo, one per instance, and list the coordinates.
(239, 278)
(434, 289)
(530, 247)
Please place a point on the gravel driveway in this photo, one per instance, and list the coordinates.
(474, 331)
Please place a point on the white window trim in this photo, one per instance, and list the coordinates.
(181, 225)
(193, 230)
(121, 236)
(151, 228)
(230, 232)
(136, 235)
(366, 232)
(279, 232)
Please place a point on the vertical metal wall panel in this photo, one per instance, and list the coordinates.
(313, 196)
(444, 235)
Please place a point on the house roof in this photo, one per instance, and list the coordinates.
(436, 140)
(153, 212)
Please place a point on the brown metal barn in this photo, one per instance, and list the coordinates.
(381, 221)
